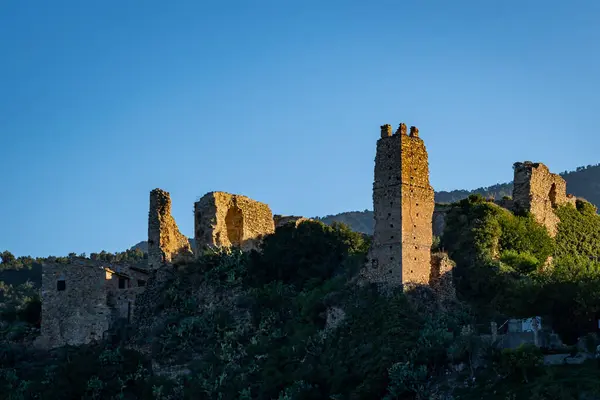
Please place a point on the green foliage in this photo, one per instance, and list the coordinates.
(7, 257)
(86, 372)
(523, 263)
(20, 303)
(308, 254)
(578, 231)
(522, 361)
(406, 378)
(494, 250)
(563, 382)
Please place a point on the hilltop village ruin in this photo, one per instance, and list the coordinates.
(82, 301)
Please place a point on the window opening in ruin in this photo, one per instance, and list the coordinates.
(374, 263)
(122, 283)
(141, 283)
(552, 195)
(234, 220)
(61, 285)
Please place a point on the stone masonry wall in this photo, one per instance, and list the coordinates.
(281, 220)
(440, 278)
(81, 300)
(403, 205)
(79, 313)
(165, 243)
(224, 220)
(439, 219)
(539, 191)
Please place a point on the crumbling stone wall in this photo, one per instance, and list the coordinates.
(539, 191)
(403, 202)
(281, 220)
(439, 219)
(81, 300)
(225, 220)
(440, 278)
(165, 243)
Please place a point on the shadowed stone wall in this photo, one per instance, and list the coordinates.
(81, 300)
(440, 277)
(539, 191)
(165, 243)
(403, 205)
(224, 220)
(439, 219)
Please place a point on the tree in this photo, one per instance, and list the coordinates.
(7, 258)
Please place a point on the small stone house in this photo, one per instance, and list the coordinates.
(82, 300)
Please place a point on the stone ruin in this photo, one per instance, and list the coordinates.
(165, 243)
(84, 299)
(403, 204)
(81, 301)
(282, 220)
(538, 191)
(224, 220)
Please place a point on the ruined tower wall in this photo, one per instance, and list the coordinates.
(539, 191)
(165, 243)
(403, 202)
(224, 220)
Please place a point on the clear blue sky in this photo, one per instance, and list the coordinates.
(102, 101)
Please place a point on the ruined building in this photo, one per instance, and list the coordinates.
(535, 190)
(403, 205)
(84, 299)
(539, 191)
(165, 243)
(224, 220)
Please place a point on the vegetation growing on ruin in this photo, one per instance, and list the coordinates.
(502, 269)
(236, 325)
(255, 326)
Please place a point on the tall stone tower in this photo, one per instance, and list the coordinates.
(403, 202)
(165, 243)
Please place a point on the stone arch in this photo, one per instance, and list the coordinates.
(234, 220)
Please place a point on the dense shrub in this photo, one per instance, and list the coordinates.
(308, 254)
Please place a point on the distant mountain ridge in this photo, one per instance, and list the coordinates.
(584, 182)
